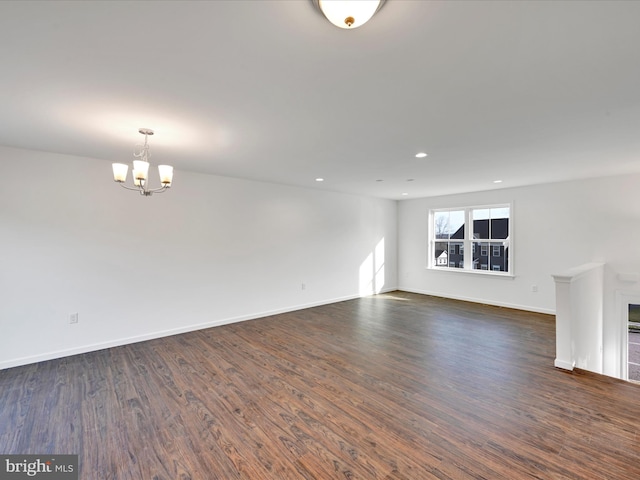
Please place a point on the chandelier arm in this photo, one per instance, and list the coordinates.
(158, 190)
(144, 191)
(137, 189)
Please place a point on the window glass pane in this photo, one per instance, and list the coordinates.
(481, 213)
(456, 224)
(481, 229)
(441, 254)
(498, 258)
(491, 223)
(456, 254)
(441, 224)
(449, 224)
(499, 227)
(500, 222)
(481, 218)
(480, 255)
(500, 212)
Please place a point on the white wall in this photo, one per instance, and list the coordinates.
(555, 227)
(210, 251)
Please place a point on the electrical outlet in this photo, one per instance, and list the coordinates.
(73, 318)
(534, 288)
(304, 287)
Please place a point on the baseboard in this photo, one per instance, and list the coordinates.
(527, 308)
(166, 333)
(564, 365)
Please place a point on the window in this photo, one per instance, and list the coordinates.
(481, 235)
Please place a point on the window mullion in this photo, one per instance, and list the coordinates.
(468, 255)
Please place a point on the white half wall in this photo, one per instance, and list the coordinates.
(212, 250)
(555, 227)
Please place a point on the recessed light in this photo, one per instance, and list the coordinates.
(319, 179)
(405, 194)
(421, 155)
(497, 181)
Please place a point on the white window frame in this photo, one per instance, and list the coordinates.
(468, 242)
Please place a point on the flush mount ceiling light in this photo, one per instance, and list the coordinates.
(349, 14)
(141, 170)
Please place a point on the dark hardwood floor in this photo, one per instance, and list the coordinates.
(396, 386)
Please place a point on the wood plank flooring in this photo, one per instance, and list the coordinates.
(395, 386)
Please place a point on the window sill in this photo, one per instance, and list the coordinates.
(488, 273)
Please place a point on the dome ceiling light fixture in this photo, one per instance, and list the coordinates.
(349, 14)
(141, 170)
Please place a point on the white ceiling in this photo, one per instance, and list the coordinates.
(523, 92)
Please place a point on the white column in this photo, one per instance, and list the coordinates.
(579, 317)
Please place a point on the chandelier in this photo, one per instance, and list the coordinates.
(140, 170)
(349, 14)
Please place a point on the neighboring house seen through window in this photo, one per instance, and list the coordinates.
(471, 238)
